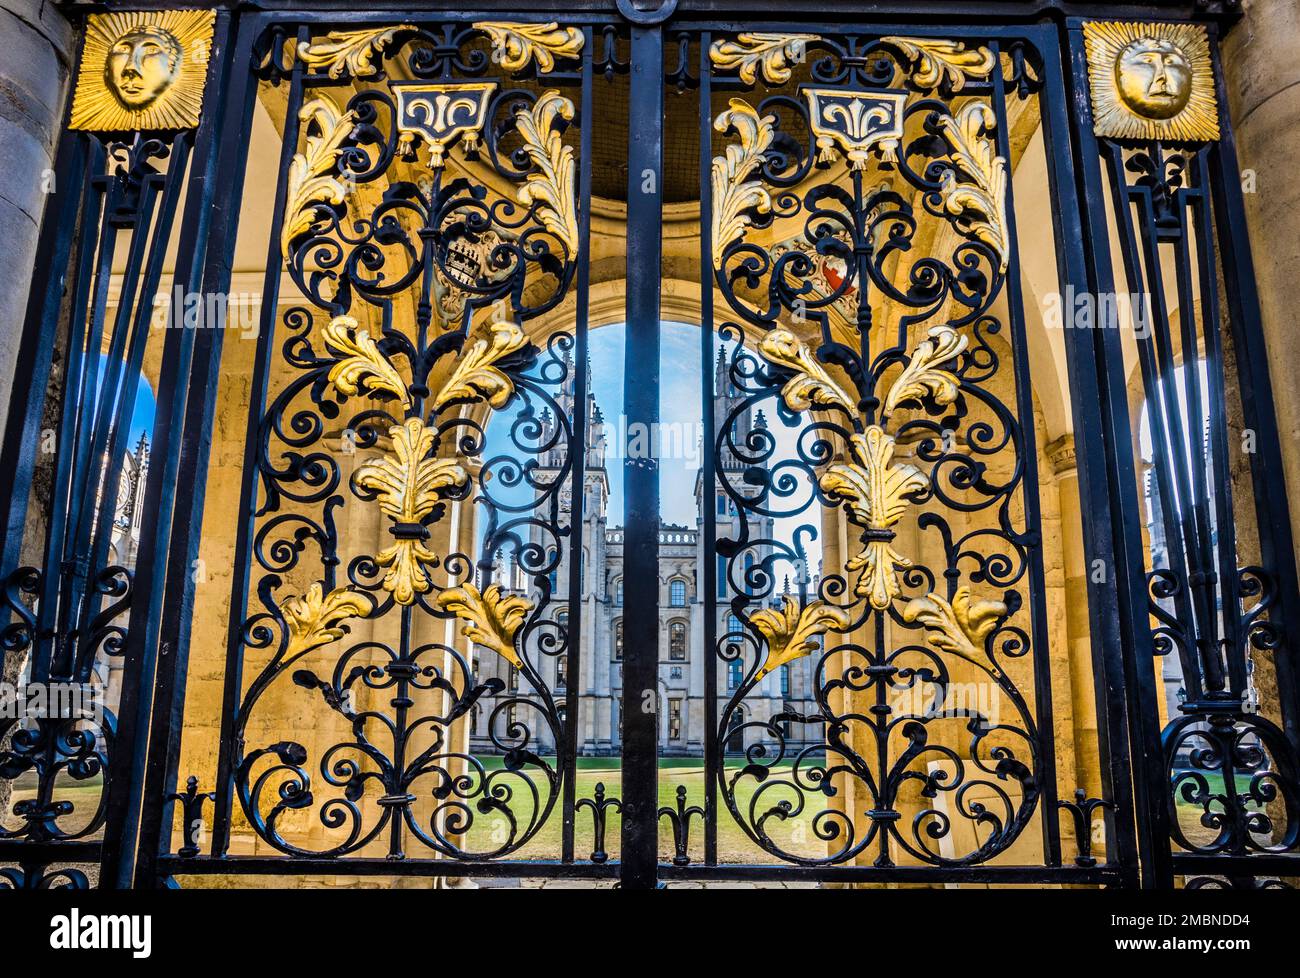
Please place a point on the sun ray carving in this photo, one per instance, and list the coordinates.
(143, 70)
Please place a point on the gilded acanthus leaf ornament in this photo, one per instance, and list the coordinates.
(360, 367)
(407, 484)
(974, 189)
(342, 54)
(876, 492)
(959, 627)
(811, 386)
(924, 374)
(313, 183)
(940, 61)
(316, 618)
(772, 53)
(492, 618)
(734, 193)
(550, 185)
(476, 374)
(792, 631)
(514, 45)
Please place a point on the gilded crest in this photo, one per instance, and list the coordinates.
(438, 114)
(143, 71)
(855, 122)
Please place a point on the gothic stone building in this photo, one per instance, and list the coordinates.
(682, 649)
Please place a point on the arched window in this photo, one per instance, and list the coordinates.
(735, 673)
(677, 594)
(677, 641)
(618, 640)
(618, 592)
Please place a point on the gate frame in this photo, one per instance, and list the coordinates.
(140, 804)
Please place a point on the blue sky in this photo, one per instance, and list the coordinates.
(679, 406)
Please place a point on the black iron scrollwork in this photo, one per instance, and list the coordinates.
(420, 283)
(890, 639)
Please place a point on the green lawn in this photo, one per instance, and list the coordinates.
(794, 834)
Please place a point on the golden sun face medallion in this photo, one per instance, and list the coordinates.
(143, 71)
(1151, 81)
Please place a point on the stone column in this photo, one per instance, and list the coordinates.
(1262, 75)
(33, 84)
(1263, 81)
(1083, 704)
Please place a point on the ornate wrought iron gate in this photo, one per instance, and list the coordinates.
(404, 638)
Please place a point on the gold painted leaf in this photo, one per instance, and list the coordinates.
(959, 627)
(361, 367)
(733, 192)
(492, 618)
(477, 376)
(755, 50)
(875, 492)
(936, 61)
(974, 190)
(346, 53)
(312, 182)
(811, 386)
(791, 632)
(514, 45)
(316, 618)
(551, 183)
(923, 374)
(407, 484)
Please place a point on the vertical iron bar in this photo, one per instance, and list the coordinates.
(641, 475)
(578, 453)
(1123, 642)
(708, 463)
(1216, 386)
(1094, 441)
(234, 675)
(1277, 548)
(122, 780)
(196, 359)
(1030, 489)
(62, 249)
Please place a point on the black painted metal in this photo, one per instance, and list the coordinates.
(80, 598)
(641, 704)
